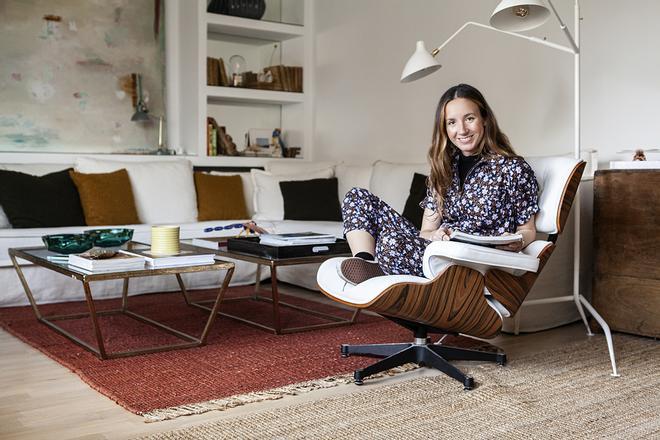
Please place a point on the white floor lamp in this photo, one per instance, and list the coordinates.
(511, 17)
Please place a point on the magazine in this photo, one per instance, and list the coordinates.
(485, 240)
(296, 239)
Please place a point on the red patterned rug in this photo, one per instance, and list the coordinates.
(238, 359)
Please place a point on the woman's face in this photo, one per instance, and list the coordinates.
(464, 125)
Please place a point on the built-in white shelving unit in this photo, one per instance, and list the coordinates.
(193, 34)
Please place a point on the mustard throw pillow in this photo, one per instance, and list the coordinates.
(106, 198)
(219, 197)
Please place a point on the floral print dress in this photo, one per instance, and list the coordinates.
(499, 194)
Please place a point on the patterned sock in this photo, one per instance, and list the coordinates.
(365, 256)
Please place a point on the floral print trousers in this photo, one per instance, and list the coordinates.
(399, 248)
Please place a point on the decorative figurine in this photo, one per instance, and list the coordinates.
(639, 155)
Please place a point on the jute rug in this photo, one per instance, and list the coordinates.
(567, 393)
(239, 364)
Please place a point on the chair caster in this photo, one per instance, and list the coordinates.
(501, 359)
(344, 350)
(357, 377)
(468, 383)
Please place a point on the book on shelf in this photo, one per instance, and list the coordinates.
(286, 78)
(116, 263)
(296, 239)
(210, 242)
(185, 257)
(216, 75)
(485, 240)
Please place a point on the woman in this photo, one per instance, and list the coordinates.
(477, 185)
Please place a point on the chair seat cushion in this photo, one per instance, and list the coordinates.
(360, 295)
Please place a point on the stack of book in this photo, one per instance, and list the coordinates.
(286, 78)
(216, 75)
(218, 142)
(296, 239)
(187, 256)
(118, 263)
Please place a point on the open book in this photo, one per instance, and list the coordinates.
(485, 240)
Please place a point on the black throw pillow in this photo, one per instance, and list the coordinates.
(412, 210)
(315, 199)
(40, 201)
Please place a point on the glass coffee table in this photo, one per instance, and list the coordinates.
(273, 263)
(38, 256)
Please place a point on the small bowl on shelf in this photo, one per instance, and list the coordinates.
(110, 237)
(68, 243)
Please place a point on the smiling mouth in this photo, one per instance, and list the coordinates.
(466, 138)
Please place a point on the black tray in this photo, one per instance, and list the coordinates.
(251, 245)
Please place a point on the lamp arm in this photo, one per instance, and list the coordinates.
(563, 27)
(513, 34)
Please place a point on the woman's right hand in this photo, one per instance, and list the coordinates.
(440, 234)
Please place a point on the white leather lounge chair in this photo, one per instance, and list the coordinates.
(466, 289)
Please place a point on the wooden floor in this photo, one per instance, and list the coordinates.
(40, 399)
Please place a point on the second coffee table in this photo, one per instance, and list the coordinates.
(273, 263)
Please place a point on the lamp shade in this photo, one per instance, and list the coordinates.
(420, 64)
(519, 15)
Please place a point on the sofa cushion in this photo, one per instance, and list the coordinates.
(412, 211)
(390, 181)
(219, 197)
(352, 176)
(164, 191)
(268, 202)
(314, 199)
(248, 189)
(40, 201)
(107, 198)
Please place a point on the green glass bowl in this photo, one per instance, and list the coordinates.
(68, 243)
(110, 237)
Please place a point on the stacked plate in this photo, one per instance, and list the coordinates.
(165, 240)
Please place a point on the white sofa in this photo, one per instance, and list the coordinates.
(389, 181)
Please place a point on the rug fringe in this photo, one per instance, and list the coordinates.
(159, 415)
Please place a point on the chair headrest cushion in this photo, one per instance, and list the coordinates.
(553, 174)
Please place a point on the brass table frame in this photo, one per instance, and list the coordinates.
(86, 278)
(273, 264)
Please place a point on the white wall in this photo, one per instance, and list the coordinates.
(363, 113)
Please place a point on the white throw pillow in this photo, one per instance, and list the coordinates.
(164, 191)
(391, 181)
(268, 201)
(4, 221)
(352, 176)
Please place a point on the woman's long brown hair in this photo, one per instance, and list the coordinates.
(442, 150)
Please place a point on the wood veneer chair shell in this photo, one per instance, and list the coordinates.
(454, 302)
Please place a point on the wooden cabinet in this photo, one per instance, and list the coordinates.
(626, 290)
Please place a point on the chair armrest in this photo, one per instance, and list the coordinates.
(441, 254)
